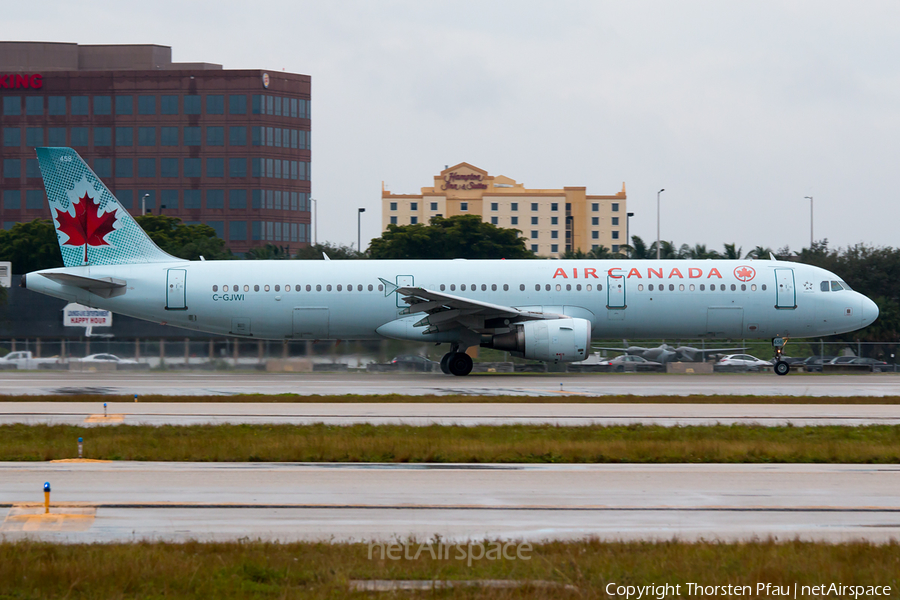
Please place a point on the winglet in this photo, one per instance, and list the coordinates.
(389, 288)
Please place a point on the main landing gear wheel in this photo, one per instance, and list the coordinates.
(445, 361)
(460, 364)
(782, 368)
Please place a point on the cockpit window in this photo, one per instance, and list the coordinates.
(823, 286)
(835, 286)
(845, 286)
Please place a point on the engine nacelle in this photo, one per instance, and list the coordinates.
(555, 340)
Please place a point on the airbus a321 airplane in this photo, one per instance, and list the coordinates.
(544, 310)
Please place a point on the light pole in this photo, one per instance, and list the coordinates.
(359, 213)
(810, 221)
(144, 204)
(627, 231)
(315, 221)
(657, 221)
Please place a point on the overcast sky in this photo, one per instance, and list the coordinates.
(737, 109)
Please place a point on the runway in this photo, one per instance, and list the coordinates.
(125, 501)
(420, 414)
(181, 383)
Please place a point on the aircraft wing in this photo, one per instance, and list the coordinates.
(446, 311)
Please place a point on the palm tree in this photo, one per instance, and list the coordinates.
(759, 253)
(731, 252)
(637, 249)
(700, 252)
(666, 250)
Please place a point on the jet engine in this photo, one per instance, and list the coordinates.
(556, 340)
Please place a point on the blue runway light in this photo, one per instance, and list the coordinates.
(80, 440)
(47, 486)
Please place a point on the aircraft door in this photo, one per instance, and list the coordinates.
(785, 294)
(615, 290)
(175, 291)
(404, 281)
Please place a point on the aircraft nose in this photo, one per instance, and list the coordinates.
(869, 311)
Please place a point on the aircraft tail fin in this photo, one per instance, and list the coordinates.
(91, 226)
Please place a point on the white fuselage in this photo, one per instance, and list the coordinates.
(292, 299)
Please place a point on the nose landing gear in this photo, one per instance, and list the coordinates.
(781, 367)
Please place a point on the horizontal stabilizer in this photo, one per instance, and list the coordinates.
(105, 287)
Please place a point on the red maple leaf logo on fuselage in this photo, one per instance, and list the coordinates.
(744, 273)
(88, 227)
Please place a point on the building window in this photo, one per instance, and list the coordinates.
(12, 199)
(191, 199)
(103, 136)
(146, 167)
(33, 170)
(495, 206)
(237, 167)
(534, 220)
(80, 105)
(102, 105)
(464, 206)
(168, 105)
(34, 199)
(237, 231)
(595, 221)
(34, 105)
(168, 167)
(215, 104)
(168, 136)
(554, 248)
(192, 136)
(56, 136)
(277, 106)
(237, 104)
(554, 220)
(270, 107)
(534, 207)
(256, 104)
(255, 228)
(215, 136)
(146, 105)
(146, 136)
(12, 137)
(237, 136)
(393, 206)
(294, 108)
(413, 206)
(191, 104)
(534, 248)
(192, 167)
(256, 167)
(413, 220)
(514, 220)
(554, 234)
(124, 105)
(615, 234)
(615, 220)
(615, 207)
(595, 235)
(56, 105)
(79, 136)
(534, 234)
(218, 227)
(494, 221)
(554, 206)
(514, 206)
(615, 248)
(434, 206)
(124, 167)
(103, 167)
(215, 199)
(124, 136)
(237, 198)
(393, 220)
(168, 199)
(124, 198)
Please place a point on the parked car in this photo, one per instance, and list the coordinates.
(743, 360)
(814, 364)
(629, 362)
(107, 358)
(841, 360)
(877, 365)
(24, 359)
(411, 362)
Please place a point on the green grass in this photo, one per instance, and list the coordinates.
(562, 398)
(323, 570)
(879, 444)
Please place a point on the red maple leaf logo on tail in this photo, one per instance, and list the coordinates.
(88, 227)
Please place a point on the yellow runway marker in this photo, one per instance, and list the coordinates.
(79, 460)
(105, 419)
(63, 518)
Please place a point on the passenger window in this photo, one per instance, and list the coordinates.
(671, 287)
(589, 287)
(568, 287)
(505, 287)
(640, 287)
(835, 286)
(370, 287)
(494, 287)
(521, 287)
(650, 287)
(380, 288)
(752, 287)
(537, 287)
(224, 288)
(277, 288)
(599, 287)
(462, 287)
(328, 288)
(339, 288)
(266, 288)
(763, 288)
(681, 287)
(692, 287)
(743, 287)
(443, 287)
(547, 287)
(823, 286)
(483, 287)
(702, 287)
(578, 288)
(308, 288)
(215, 288)
(452, 287)
(298, 287)
(255, 288)
(319, 287)
(733, 287)
(246, 288)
